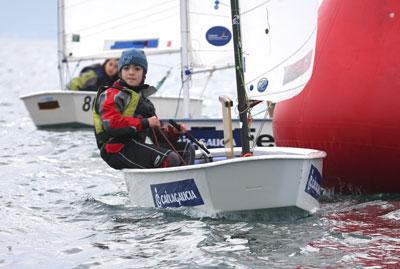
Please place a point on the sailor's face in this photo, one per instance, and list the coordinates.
(111, 67)
(132, 74)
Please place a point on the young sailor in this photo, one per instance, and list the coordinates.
(124, 118)
(92, 77)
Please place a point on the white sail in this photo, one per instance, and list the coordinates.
(279, 38)
(102, 28)
(210, 34)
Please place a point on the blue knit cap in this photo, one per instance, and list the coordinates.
(133, 56)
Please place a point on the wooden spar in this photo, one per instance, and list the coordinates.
(241, 92)
(227, 104)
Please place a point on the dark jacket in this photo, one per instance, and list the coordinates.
(91, 78)
(120, 114)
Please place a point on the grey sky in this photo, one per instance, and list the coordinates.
(28, 18)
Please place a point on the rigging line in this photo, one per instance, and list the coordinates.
(208, 81)
(260, 129)
(137, 26)
(250, 119)
(166, 140)
(268, 29)
(287, 58)
(209, 15)
(155, 136)
(225, 5)
(124, 26)
(121, 17)
(171, 146)
(78, 63)
(137, 19)
(179, 98)
(256, 7)
(86, 1)
(68, 74)
(258, 113)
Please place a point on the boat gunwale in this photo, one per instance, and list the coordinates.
(311, 154)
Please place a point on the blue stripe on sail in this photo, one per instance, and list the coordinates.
(137, 44)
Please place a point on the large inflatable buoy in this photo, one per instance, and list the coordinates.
(351, 106)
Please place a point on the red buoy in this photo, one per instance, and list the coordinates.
(351, 106)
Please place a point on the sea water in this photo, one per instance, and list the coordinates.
(61, 206)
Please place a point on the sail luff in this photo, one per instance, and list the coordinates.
(240, 84)
(61, 41)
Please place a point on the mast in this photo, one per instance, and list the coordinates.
(61, 41)
(241, 92)
(185, 72)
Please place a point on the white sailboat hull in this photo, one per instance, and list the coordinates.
(65, 109)
(74, 108)
(274, 177)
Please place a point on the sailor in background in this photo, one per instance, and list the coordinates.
(92, 77)
(124, 118)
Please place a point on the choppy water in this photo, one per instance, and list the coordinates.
(62, 207)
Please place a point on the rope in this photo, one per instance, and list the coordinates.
(260, 129)
(155, 137)
(179, 97)
(206, 84)
(171, 146)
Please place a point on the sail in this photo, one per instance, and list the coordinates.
(210, 34)
(278, 40)
(102, 28)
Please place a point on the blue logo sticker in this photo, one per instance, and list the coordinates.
(313, 186)
(262, 85)
(218, 36)
(213, 138)
(176, 194)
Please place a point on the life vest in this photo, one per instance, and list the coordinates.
(102, 136)
(88, 79)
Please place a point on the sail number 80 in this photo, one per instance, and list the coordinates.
(88, 103)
